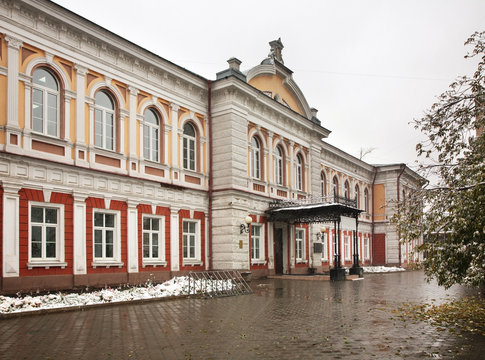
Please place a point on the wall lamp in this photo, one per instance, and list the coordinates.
(244, 228)
(320, 234)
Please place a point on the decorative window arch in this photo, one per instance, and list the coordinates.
(279, 160)
(335, 186)
(151, 135)
(189, 147)
(366, 200)
(300, 171)
(346, 189)
(256, 158)
(357, 195)
(46, 102)
(105, 127)
(323, 184)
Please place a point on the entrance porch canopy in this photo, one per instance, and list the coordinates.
(313, 210)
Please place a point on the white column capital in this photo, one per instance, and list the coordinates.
(81, 70)
(174, 107)
(133, 90)
(13, 42)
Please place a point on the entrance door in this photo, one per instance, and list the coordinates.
(278, 250)
(379, 249)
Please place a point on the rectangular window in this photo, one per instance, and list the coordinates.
(153, 239)
(324, 246)
(46, 237)
(189, 154)
(347, 247)
(106, 240)
(366, 247)
(300, 244)
(257, 244)
(190, 240)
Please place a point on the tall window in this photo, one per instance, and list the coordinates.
(152, 238)
(299, 172)
(104, 121)
(324, 246)
(347, 190)
(257, 243)
(151, 135)
(279, 166)
(44, 233)
(366, 247)
(366, 200)
(104, 235)
(45, 103)
(255, 158)
(300, 244)
(323, 184)
(189, 240)
(335, 186)
(347, 247)
(189, 147)
(357, 195)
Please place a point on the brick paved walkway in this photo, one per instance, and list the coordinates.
(283, 319)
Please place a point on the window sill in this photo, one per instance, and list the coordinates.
(301, 261)
(106, 264)
(154, 263)
(46, 264)
(108, 153)
(56, 140)
(192, 263)
(258, 262)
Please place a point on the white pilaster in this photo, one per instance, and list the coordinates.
(291, 172)
(10, 229)
(271, 175)
(175, 108)
(174, 240)
(132, 237)
(132, 124)
(79, 229)
(14, 45)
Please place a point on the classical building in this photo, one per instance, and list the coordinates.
(118, 166)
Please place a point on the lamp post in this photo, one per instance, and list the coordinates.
(244, 228)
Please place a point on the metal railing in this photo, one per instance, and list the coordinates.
(218, 283)
(311, 200)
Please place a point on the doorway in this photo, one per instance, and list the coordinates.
(278, 250)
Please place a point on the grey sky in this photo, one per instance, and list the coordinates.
(369, 67)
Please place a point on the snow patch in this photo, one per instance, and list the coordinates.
(382, 269)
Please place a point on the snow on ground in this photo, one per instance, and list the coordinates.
(382, 269)
(175, 287)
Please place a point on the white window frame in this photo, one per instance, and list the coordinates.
(366, 248)
(45, 94)
(260, 239)
(323, 184)
(299, 173)
(44, 261)
(302, 240)
(279, 166)
(115, 260)
(255, 161)
(105, 111)
(324, 246)
(189, 146)
(366, 201)
(196, 260)
(148, 137)
(347, 248)
(159, 259)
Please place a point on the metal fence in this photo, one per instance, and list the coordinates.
(218, 283)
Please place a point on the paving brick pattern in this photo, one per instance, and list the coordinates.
(283, 319)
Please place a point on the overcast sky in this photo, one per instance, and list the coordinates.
(370, 67)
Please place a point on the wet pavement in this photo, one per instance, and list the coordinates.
(283, 319)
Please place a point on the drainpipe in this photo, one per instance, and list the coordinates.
(209, 114)
(373, 219)
(403, 166)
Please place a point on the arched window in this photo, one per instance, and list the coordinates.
(255, 158)
(357, 195)
(189, 147)
(279, 166)
(346, 190)
(151, 135)
(299, 172)
(104, 121)
(45, 102)
(366, 200)
(335, 186)
(323, 184)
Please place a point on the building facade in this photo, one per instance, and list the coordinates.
(118, 166)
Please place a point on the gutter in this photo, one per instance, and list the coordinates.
(373, 219)
(403, 167)
(209, 114)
